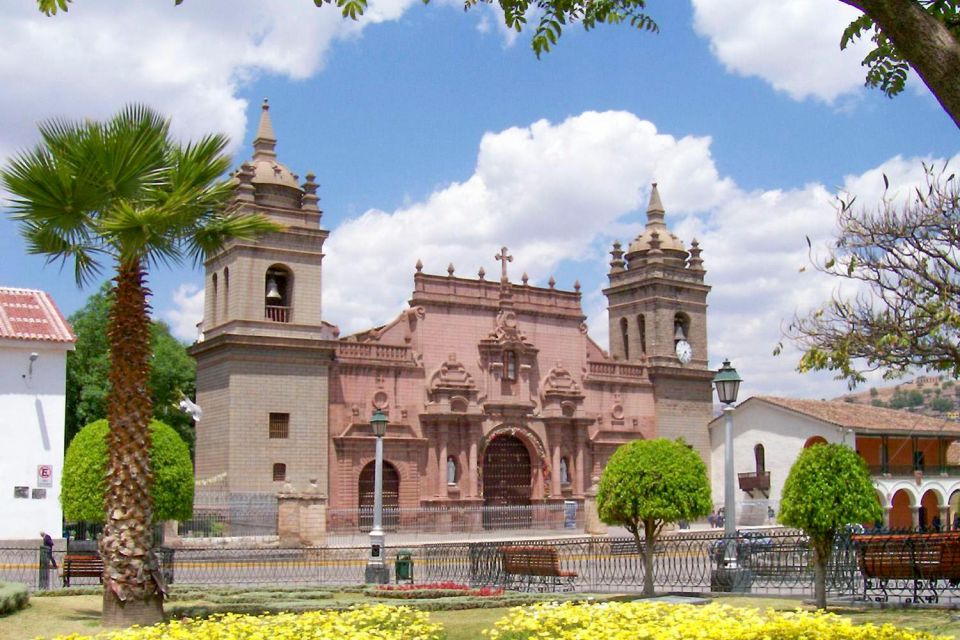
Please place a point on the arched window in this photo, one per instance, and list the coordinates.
(564, 471)
(642, 326)
(624, 335)
(279, 472)
(451, 470)
(681, 327)
(812, 440)
(277, 288)
(758, 457)
(510, 365)
(213, 310)
(226, 291)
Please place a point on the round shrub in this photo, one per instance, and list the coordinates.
(85, 466)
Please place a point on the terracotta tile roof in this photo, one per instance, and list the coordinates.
(862, 417)
(28, 314)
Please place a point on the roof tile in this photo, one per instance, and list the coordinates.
(29, 314)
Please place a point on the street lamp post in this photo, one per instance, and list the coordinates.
(727, 382)
(376, 572)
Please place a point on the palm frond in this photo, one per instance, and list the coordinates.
(218, 229)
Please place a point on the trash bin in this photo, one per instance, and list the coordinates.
(403, 566)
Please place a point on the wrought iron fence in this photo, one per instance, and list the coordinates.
(917, 567)
(219, 514)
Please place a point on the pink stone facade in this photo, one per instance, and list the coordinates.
(495, 393)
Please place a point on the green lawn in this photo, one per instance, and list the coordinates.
(51, 616)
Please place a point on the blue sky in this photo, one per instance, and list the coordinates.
(437, 135)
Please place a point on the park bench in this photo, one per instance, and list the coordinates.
(929, 562)
(533, 567)
(76, 565)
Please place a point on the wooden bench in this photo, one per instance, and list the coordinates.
(922, 559)
(77, 565)
(532, 567)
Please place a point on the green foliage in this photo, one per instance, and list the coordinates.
(829, 486)
(172, 373)
(84, 473)
(942, 404)
(903, 399)
(13, 597)
(658, 480)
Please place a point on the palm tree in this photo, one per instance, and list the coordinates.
(122, 191)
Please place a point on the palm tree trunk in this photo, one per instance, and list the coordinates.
(133, 590)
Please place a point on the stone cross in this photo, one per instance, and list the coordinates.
(504, 259)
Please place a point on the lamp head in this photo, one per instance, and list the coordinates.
(727, 381)
(379, 423)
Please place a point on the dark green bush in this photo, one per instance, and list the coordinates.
(84, 473)
(13, 597)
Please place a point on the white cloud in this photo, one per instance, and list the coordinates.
(186, 312)
(557, 194)
(189, 61)
(792, 44)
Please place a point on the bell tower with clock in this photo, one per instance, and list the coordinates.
(657, 303)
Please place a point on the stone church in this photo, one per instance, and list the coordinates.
(496, 394)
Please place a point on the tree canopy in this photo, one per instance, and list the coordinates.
(648, 483)
(828, 487)
(85, 466)
(923, 34)
(905, 260)
(172, 371)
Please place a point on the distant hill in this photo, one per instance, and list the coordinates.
(936, 396)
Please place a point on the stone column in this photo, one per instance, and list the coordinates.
(555, 473)
(592, 523)
(915, 516)
(302, 517)
(472, 489)
(442, 461)
(945, 517)
(578, 466)
(886, 517)
(171, 535)
(429, 433)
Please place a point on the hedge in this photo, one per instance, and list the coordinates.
(13, 597)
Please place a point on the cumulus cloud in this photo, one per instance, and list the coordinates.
(187, 311)
(189, 61)
(557, 194)
(792, 44)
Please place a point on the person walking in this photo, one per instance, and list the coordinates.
(48, 546)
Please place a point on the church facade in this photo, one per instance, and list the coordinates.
(495, 393)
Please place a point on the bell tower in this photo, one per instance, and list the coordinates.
(264, 353)
(657, 303)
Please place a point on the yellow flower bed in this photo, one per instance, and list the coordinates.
(373, 622)
(658, 621)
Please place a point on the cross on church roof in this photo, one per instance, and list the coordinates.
(504, 259)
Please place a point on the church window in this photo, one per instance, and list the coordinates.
(226, 290)
(279, 472)
(451, 470)
(279, 425)
(564, 471)
(214, 305)
(759, 458)
(277, 289)
(642, 326)
(510, 365)
(624, 335)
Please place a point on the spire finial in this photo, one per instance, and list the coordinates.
(265, 141)
(504, 259)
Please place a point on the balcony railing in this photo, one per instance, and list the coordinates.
(276, 313)
(910, 470)
(754, 481)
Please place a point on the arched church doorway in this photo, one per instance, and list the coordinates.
(391, 496)
(506, 483)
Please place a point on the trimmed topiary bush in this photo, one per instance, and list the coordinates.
(13, 597)
(85, 465)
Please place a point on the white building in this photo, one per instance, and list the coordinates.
(34, 340)
(910, 457)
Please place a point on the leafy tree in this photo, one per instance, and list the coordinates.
(648, 483)
(924, 34)
(904, 260)
(942, 405)
(85, 466)
(828, 488)
(903, 399)
(123, 191)
(172, 371)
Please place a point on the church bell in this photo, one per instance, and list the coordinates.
(273, 293)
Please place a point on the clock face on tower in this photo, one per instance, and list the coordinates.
(684, 351)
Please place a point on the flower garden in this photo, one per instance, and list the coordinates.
(548, 620)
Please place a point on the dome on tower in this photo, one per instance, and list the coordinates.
(656, 236)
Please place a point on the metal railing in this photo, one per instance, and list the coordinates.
(276, 313)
